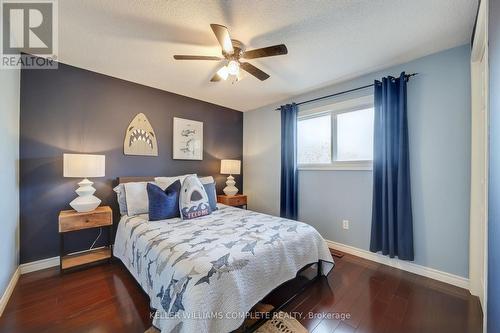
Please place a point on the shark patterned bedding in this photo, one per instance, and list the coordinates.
(205, 274)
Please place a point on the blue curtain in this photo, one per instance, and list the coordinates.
(392, 222)
(289, 182)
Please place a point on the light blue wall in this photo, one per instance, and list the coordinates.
(328, 197)
(439, 129)
(494, 169)
(9, 196)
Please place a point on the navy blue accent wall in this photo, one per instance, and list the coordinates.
(75, 110)
(494, 171)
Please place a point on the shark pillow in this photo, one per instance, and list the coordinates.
(193, 200)
(163, 204)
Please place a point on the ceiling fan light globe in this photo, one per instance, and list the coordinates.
(223, 73)
(233, 67)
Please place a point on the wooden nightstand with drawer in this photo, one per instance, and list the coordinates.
(71, 221)
(238, 200)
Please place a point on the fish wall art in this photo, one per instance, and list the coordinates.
(188, 139)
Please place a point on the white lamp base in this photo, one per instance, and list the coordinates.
(86, 201)
(230, 189)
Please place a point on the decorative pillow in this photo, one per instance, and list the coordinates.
(206, 180)
(212, 195)
(121, 198)
(137, 198)
(164, 182)
(194, 200)
(164, 204)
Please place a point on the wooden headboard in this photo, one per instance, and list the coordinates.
(122, 180)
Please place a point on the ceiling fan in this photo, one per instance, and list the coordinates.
(233, 51)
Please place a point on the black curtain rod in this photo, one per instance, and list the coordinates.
(344, 92)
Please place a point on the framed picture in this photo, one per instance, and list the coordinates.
(188, 139)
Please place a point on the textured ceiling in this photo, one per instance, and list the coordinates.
(327, 41)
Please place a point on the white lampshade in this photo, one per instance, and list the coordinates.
(84, 165)
(230, 167)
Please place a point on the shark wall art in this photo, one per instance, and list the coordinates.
(140, 138)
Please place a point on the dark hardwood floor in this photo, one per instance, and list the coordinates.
(358, 296)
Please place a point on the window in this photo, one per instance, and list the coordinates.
(355, 135)
(337, 136)
(315, 140)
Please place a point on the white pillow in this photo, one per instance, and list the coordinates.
(121, 198)
(206, 180)
(136, 195)
(164, 182)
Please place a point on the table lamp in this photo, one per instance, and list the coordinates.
(230, 167)
(83, 166)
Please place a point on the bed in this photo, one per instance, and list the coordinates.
(204, 275)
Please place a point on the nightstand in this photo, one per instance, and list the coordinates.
(72, 221)
(238, 200)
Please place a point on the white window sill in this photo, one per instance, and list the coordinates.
(356, 166)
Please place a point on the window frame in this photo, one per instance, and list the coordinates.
(334, 109)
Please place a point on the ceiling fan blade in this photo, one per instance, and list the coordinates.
(194, 57)
(254, 71)
(222, 35)
(266, 52)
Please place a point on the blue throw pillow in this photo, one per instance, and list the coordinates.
(164, 204)
(212, 196)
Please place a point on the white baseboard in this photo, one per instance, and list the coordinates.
(8, 291)
(39, 265)
(45, 263)
(432, 273)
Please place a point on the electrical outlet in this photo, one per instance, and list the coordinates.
(345, 224)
